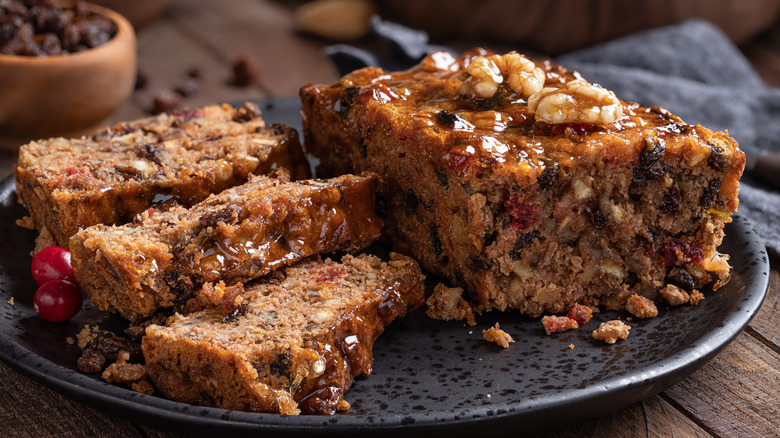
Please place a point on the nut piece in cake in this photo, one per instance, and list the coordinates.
(611, 331)
(530, 199)
(294, 345)
(171, 159)
(240, 234)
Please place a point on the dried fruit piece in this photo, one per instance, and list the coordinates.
(558, 324)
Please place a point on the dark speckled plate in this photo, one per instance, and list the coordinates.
(428, 375)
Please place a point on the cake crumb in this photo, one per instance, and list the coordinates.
(70, 341)
(26, 222)
(611, 331)
(87, 335)
(488, 396)
(558, 324)
(11, 301)
(123, 372)
(571, 346)
(447, 303)
(674, 295)
(696, 297)
(495, 334)
(641, 307)
(580, 313)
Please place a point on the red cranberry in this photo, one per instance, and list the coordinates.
(57, 301)
(52, 263)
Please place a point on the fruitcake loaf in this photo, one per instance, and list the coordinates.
(288, 343)
(528, 186)
(109, 177)
(244, 232)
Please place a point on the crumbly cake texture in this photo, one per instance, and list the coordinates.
(548, 193)
(288, 343)
(179, 158)
(244, 232)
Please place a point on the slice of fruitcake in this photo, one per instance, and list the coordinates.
(528, 186)
(179, 158)
(289, 343)
(235, 236)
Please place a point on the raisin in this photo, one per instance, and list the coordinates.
(497, 101)
(716, 160)
(227, 215)
(671, 201)
(281, 366)
(141, 80)
(435, 240)
(710, 193)
(236, 313)
(151, 152)
(680, 278)
(91, 361)
(448, 118)
(549, 176)
(596, 216)
(109, 347)
(182, 286)
(654, 150)
(346, 99)
(523, 241)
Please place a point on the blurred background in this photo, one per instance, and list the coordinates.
(191, 50)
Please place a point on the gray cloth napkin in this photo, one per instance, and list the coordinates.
(691, 69)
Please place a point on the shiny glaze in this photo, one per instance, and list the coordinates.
(501, 129)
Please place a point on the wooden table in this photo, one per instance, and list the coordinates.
(736, 394)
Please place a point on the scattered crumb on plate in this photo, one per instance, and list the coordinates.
(447, 303)
(558, 324)
(611, 331)
(500, 337)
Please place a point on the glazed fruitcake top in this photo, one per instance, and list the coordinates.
(521, 119)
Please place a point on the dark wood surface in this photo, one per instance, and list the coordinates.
(734, 395)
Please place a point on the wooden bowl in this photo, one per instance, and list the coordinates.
(138, 12)
(557, 26)
(66, 95)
